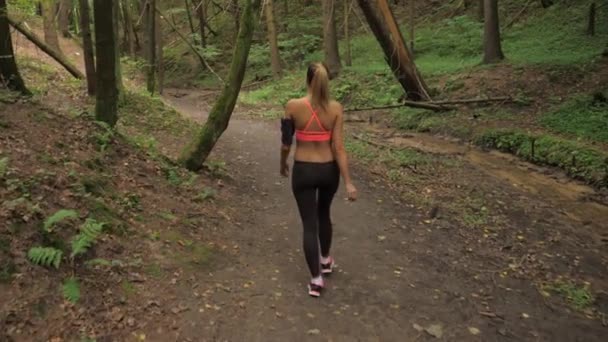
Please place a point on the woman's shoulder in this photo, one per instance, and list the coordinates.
(335, 107)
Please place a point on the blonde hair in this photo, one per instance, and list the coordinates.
(317, 79)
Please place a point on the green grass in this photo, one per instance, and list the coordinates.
(579, 297)
(583, 116)
(578, 160)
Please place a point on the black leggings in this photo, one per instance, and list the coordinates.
(314, 186)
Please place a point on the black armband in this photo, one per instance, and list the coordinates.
(288, 128)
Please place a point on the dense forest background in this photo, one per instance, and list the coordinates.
(139, 189)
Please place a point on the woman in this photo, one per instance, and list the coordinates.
(320, 159)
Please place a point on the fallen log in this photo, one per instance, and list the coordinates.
(478, 100)
(32, 37)
(435, 105)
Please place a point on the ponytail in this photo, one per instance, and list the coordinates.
(318, 84)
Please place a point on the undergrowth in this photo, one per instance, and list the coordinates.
(582, 116)
(579, 161)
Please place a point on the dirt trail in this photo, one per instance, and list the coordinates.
(577, 200)
(397, 274)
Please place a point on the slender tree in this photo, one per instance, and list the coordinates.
(87, 46)
(129, 31)
(385, 28)
(202, 19)
(160, 70)
(491, 38)
(50, 29)
(348, 60)
(275, 59)
(197, 152)
(330, 38)
(591, 23)
(151, 39)
(480, 10)
(65, 10)
(412, 24)
(9, 72)
(106, 108)
(116, 31)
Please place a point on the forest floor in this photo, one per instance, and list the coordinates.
(447, 242)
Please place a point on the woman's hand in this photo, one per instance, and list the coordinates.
(284, 170)
(351, 192)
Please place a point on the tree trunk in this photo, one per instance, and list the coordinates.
(151, 38)
(65, 9)
(160, 69)
(330, 38)
(202, 19)
(546, 3)
(591, 24)
(275, 59)
(129, 32)
(285, 15)
(480, 10)
(144, 29)
(87, 46)
(236, 12)
(9, 72)
(48, 21)
(195, 155)
(348, 60)
(491, 37)
(399, 58)
(57, 56)
(412, 25)
(190, 22)
(116, 19)
(106, 107)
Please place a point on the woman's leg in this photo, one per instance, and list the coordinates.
(326, 196)
(306, 197)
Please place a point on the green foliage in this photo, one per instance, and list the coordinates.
(3, 166)
(104, 138)
(578, 160)
(556, 36)
(206, 194)
(71, 290)
(45, 256)
(89, 232)
(583, 116)
(578, 296)
(217, 168)
(61, 215)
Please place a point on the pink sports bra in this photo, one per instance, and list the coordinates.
(306, 135)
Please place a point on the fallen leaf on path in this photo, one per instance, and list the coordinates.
(381, 237)
(474, 331)
(418, 327)
(314, 332)
(525, 315)
(435, 330)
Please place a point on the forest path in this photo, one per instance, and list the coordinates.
(400, 277)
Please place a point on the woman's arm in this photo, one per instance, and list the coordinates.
(287, 131)
(340, 154)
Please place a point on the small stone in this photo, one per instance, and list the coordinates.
(474, 331)
(418, 328)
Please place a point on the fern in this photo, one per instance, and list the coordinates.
(71, 290)
(45, 256)
(89, 232)
(57, 217)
